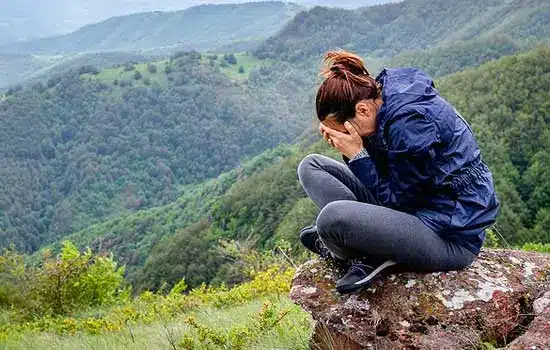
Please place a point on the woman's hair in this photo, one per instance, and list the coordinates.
(347, 82)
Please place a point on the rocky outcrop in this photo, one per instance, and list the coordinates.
(503, 299)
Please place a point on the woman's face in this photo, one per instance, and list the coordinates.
(364, 121)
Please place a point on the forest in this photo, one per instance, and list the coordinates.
(169, 182)
(94, 148)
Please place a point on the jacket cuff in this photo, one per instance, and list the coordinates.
(362, 154)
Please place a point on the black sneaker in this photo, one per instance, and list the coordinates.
(310, 239)
(360, 275)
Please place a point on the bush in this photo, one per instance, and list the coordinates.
(128, 66)
(230, 58)
(537, 247)
(67, 282)
(152, 68)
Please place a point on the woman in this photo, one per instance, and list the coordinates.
(413, 192)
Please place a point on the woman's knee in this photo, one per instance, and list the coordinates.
(334, 219)
(311, 161)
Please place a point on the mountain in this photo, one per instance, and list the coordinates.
(16, 68)
(31, 68)
(31, 19)
(88, 145)
(450, 58)
(387, 30)
(197, 28)
(348, 4)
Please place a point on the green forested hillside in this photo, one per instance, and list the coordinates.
(508, 102)
(79, 149)
(390, 29)
(16, 69)
(197, 28)
(447, 59)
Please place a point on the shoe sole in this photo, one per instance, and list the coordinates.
(374, 275)
(308, 231)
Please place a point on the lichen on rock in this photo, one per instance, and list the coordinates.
(497, 300)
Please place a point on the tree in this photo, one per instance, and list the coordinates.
(230, 59)
(152, 68)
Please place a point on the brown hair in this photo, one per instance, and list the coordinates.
(346, 83)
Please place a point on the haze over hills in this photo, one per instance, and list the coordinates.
(158, 33)
(30, 19)
(204, 27)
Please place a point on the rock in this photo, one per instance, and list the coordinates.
(537, 336)
(492, 301)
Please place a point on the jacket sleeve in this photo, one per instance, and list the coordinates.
(412, 140)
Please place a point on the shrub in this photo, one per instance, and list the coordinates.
(537, 247)
(67, 282)
(152, 68)
(230, 59)
(239, 336)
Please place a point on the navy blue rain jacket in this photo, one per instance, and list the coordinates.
(426, 161)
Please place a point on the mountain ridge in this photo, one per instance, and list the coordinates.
(387, 30)
(196, 28)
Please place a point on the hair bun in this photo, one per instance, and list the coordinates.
(341, 63)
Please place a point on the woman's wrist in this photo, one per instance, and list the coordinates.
(361, 154)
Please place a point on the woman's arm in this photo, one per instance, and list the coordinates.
(411, 162)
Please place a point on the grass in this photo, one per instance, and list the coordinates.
(157, 79)
(245, 60)
(293, 332)
(160, 78)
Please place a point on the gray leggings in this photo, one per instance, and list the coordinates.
(352, 225)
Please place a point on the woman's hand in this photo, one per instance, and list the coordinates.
(349, 144)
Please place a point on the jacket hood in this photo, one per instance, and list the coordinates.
(403, 91)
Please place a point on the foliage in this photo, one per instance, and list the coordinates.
(188, 253)
(238, 336)
(81, 151)
(132, 237)
(16, 68)
(537, 247)
(447, 59)
(507, 105)
(390, 29)
(148, 308)
(65, 283)
(292, 333)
